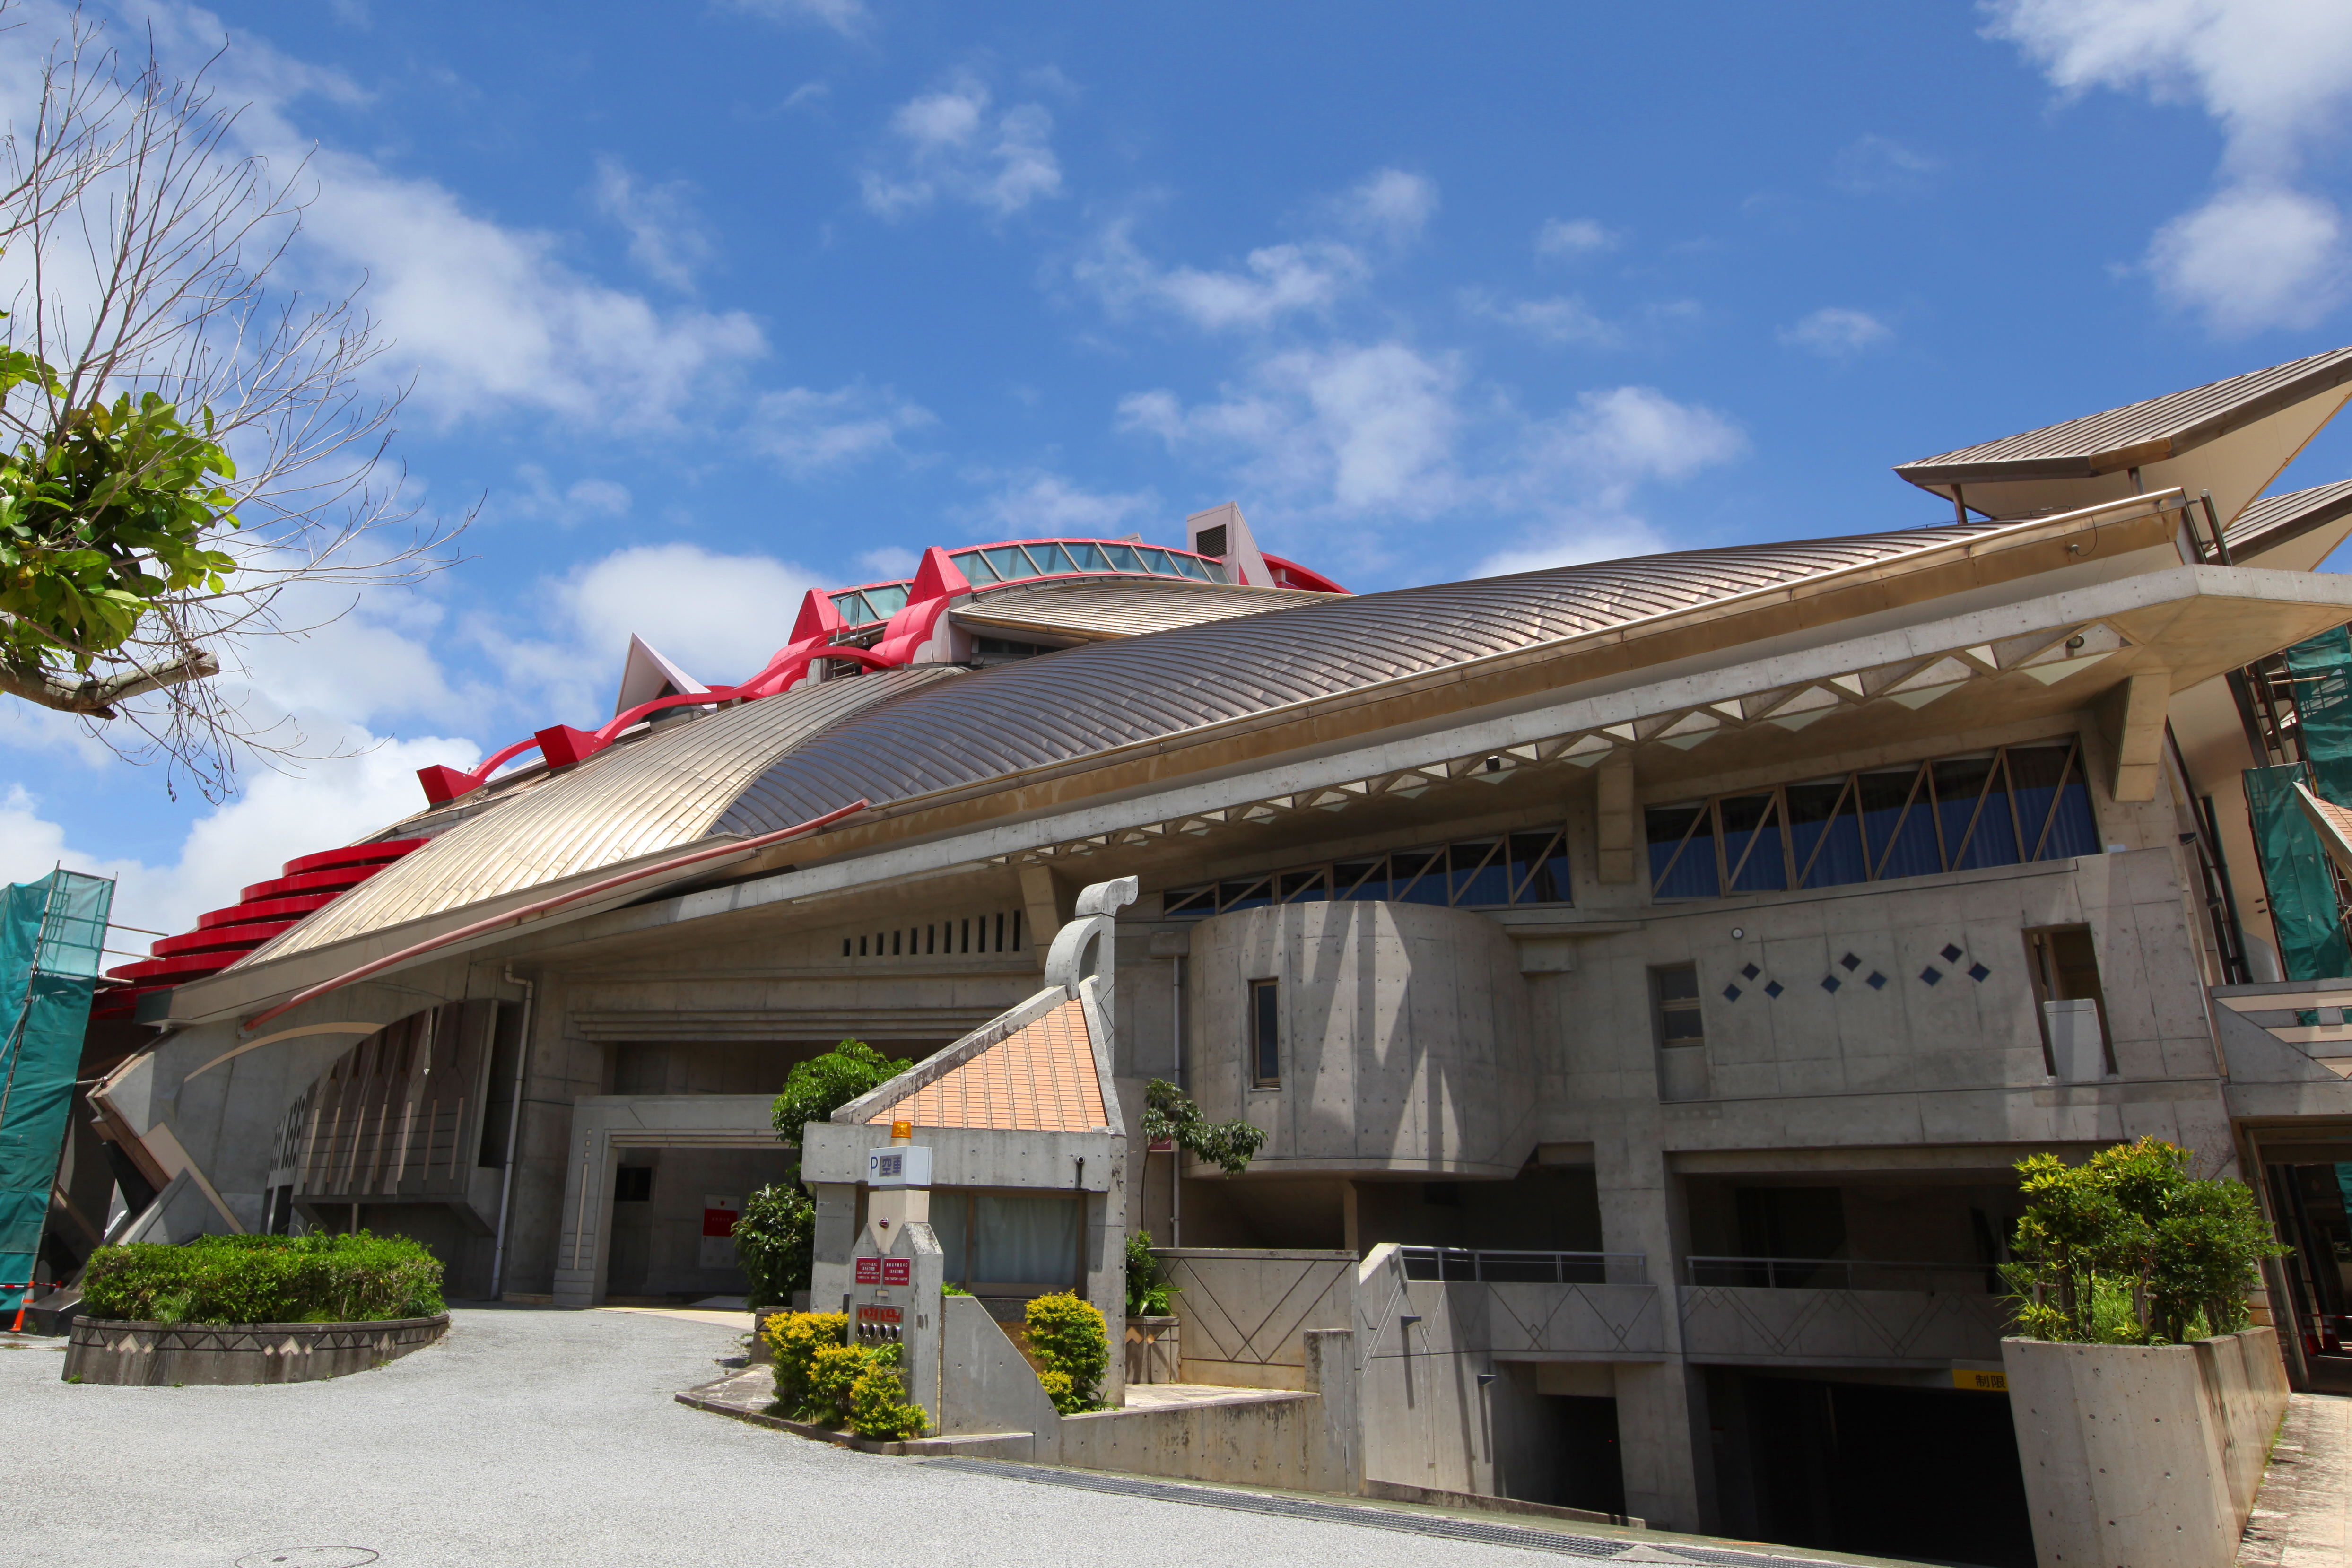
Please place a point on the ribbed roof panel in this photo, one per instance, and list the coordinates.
(2100, 443)
(1065, 706)
(657, 793)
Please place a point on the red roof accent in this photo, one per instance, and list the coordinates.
(353, 855)
(221, 937)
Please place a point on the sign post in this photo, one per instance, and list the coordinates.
(897, 1267)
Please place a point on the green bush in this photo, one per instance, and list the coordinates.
(1170, 1116)
(316, 1278)
(1068, 1336)
(2129, 1248)
(775, 1242)
(793, 1339)
(878, 1407)
(817, 1087)
(833, 1372)
(1148, 1295)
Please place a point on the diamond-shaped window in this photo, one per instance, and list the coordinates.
(1931, 974)
(1829, 982)
(1731, 993)
(1751, 971)
(1773, 989)
(1851, 962)
(1977, 972)
(1951, 954)
(1876, 982)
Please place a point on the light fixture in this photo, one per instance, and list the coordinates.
(1737, 934)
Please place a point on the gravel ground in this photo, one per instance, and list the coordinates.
(537, 1438)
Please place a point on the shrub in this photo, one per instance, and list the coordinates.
(833, 1377)
(1148, 1294)
(2128, 1249)
(1068, 1336)
(793, 1340)
(878, 1407)
(817, 1087)
(316, 1278)
(775, 1242)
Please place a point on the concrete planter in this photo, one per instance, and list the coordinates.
(1153, 1351)
(2144, 1454)
(151, 1355)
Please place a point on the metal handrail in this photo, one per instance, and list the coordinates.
(1839, 1274)
(1503, 1266)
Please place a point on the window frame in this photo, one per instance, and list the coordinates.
(1264, 1020)
(1317, 881)
(1707, 821)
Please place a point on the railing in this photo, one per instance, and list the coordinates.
(1478, 1266)
(1844, 1274)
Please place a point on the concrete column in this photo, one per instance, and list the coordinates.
(1663, 1434)
(1615, 838)
(835, 1240)
(2132, 715)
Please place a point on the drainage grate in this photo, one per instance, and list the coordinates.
(1526, 1539)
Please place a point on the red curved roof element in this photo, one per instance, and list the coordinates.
(221, 937)
(1291, 575)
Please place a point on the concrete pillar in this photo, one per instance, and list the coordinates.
(1047, 900)
(1663, 1436)
(2133, 717)
(835, 1240)
(1615, 838)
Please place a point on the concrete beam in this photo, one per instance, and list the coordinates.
(2133, 717)
(1614, 804)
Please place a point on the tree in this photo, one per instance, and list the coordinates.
(817, 1087)
(1170, 1116)
(2129, 1247)
(188, 440)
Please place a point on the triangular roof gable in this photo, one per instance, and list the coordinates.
(1038, 1066)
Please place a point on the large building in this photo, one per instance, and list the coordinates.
(1665, 958)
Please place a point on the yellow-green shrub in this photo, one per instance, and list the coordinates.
(878, 1407)
(833, 1377)
(794, 1340)
(1068, 1335)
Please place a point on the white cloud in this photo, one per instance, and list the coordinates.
(1564, 239)
(1562, 319)
(1629, 435)
(538, 498)
(1388, 204)
(948, 145)
(1571, 541)
(2276, 76)
(809, 432)
(888, 562)
(847, 18)
(666, 235)
(1355, 427)
(1039, 505)
(1272, 281)
(1834, 333)
(2255, 256)
(1876, 164)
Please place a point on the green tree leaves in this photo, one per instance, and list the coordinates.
(817, 1087)
(1169, 1116)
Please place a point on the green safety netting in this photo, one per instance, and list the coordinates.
(2322, 668)
(50, 935)
(2294, 868)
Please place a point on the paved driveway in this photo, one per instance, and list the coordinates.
(531, 1438)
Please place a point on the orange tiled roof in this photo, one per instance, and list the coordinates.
(1039, 1079)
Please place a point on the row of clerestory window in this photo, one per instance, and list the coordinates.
(1504, 869)
(997, 932)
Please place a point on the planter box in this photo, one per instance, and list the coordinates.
(1153, 1351)
(2144, 1455)
(151, 1355)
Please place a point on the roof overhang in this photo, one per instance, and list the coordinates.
(2232, 438)
(2295, 531)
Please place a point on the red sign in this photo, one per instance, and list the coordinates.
(880, 1314)
(719, 1222)
(870, 1271)
(898, 1271)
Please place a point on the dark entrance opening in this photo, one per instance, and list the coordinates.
(1591, 1472)
(1886, 1470)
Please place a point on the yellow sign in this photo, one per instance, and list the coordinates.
(1981, 1382)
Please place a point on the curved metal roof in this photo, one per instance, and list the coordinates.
(663, 791)
(1062, 707)
(2274, 520)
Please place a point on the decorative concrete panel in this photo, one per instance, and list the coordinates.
(1243, 1312)
(1839, 1328)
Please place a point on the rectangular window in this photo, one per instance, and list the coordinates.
(1682, 1032)
(2010, 806)
(2075, 1045)
(1266, 1034)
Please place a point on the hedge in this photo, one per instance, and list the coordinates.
(317, 1278)
(821, 1379)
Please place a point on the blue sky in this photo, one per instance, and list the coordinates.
(708, 304)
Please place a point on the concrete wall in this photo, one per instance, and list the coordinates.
(1404, 1037)
(2145, 1455)
(1245, 1312)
